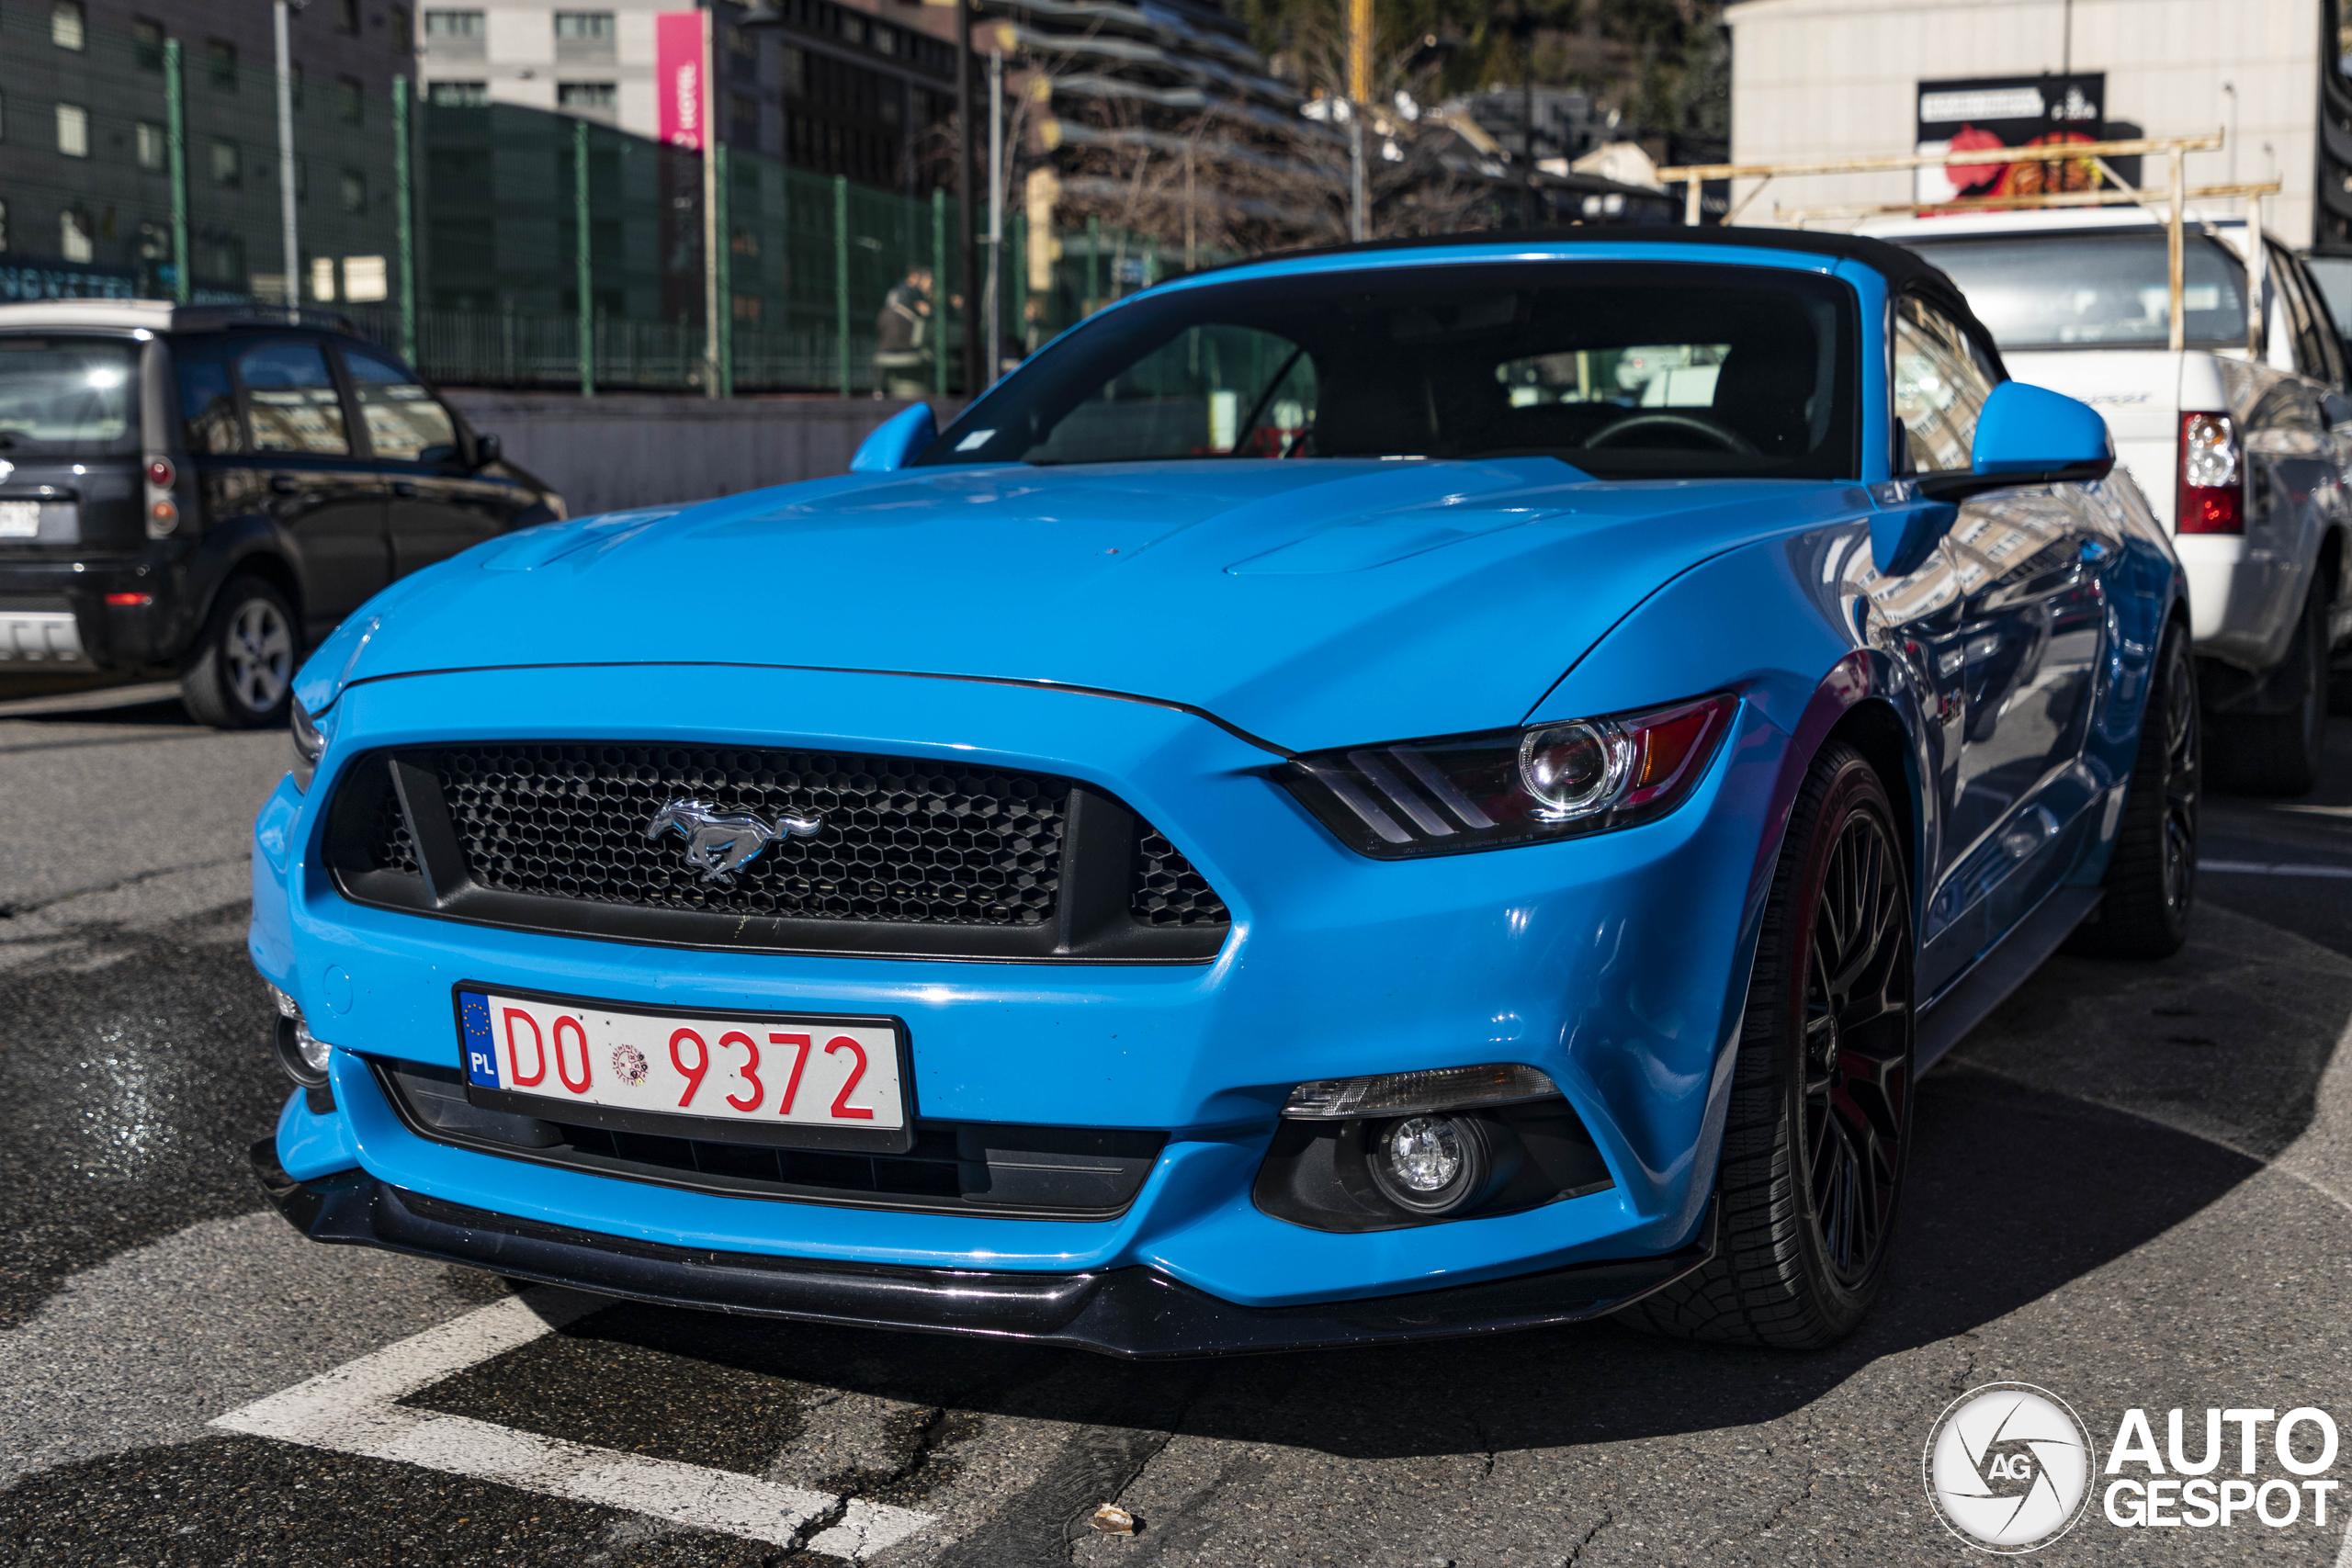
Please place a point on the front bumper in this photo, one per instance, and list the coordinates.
(1136, 1310)
(1615, 965)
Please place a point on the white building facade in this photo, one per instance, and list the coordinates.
(1823, 79)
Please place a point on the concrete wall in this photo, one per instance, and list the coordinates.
(1839, 78)
(640, 449)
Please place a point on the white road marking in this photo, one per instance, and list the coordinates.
(353, 1409)
(2272, 868)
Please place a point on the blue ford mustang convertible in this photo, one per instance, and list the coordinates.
(1411, 790)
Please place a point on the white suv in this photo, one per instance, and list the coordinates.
(2243, 459)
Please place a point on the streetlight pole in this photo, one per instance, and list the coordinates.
(1360, 100)
(996, 215)
(967, 240)
(286, 154)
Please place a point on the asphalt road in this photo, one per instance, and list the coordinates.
(2131, 1187)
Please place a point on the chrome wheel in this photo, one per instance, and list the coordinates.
(259, 648)
(1857, 1044)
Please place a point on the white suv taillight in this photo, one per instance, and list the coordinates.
(2213, 496)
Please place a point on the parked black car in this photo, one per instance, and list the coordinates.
(213, 488)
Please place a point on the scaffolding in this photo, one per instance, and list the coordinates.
(2169, 203)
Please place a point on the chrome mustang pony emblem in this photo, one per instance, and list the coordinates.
(720, 843)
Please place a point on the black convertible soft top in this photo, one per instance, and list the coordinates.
(1903, 269)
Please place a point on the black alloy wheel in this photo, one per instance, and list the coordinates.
(1819, 1125)
(2151, 885)
(1857, 1037)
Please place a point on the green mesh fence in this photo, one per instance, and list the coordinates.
(488, 286)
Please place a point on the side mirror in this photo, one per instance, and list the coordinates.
(896, 441)
(486, 451)
(2028, 435)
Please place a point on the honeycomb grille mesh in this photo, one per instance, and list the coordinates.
(391, 847)
(1167, 890)
(905, 839)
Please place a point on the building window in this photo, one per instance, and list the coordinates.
(363, 282)
(349, 101)
(457, 94)
(65, 28)
(147, 43)
(3, 225)
(347, 15)
(585, 26)
(228, 168)
(743, 129)
(221, 62)
(452, 25)
(403, 32)
(152, 147)
(585, 97)
(73, 131)
(354, 191)
(74, 236)
(295, 84)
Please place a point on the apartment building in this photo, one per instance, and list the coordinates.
(87, 191)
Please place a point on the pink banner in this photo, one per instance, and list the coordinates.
(679, 78)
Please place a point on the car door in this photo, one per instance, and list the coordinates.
(437, 504)
(2019, 654)
(308, 478)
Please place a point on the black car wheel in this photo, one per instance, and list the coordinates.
(2279, 753)
(1820, 1116)
(2152, 880)
(240, 675)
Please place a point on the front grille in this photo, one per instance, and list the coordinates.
(912, 856)
(906, 841)
(1017, 1172)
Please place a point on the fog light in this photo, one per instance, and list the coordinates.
(1422, 1153)
(1435, 1165)
(302, 1055)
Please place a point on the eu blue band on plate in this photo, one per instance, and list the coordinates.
(481, 1055)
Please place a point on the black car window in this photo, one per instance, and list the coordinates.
(405, 422)
(1941, 379)
(208, 406)
(1664, 370)
(2331, 336)
(290, 400)
(2311, 353)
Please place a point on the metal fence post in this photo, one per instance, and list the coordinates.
(939, 289)
(726, 231)
(841, 281)
(1094, 265)
(175, 119)
(405, 213)
(1019, 292)
(583, 269)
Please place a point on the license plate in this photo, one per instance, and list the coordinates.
(821, 1080)
(19, 519)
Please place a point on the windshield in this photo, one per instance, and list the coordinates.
(1653, 370)
(76, 394)
(2094, 290)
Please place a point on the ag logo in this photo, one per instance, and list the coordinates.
(2009, 1468)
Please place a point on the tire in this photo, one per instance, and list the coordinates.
(240, 675)
(2279, 753)
(2152, 880)
(1819, 1125)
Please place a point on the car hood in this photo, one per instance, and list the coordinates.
(1309, 603)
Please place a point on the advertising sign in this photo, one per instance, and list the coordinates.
(1982, 113)
(680, 78)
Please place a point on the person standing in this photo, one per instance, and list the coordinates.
(905, 341)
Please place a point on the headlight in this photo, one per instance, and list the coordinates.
(310, 744)
(1485, 792)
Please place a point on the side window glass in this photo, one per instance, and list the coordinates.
(1940, 385)
(290, 400)
(405, 422)
(207, 407)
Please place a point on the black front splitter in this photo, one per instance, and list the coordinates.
(1132, 1311)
